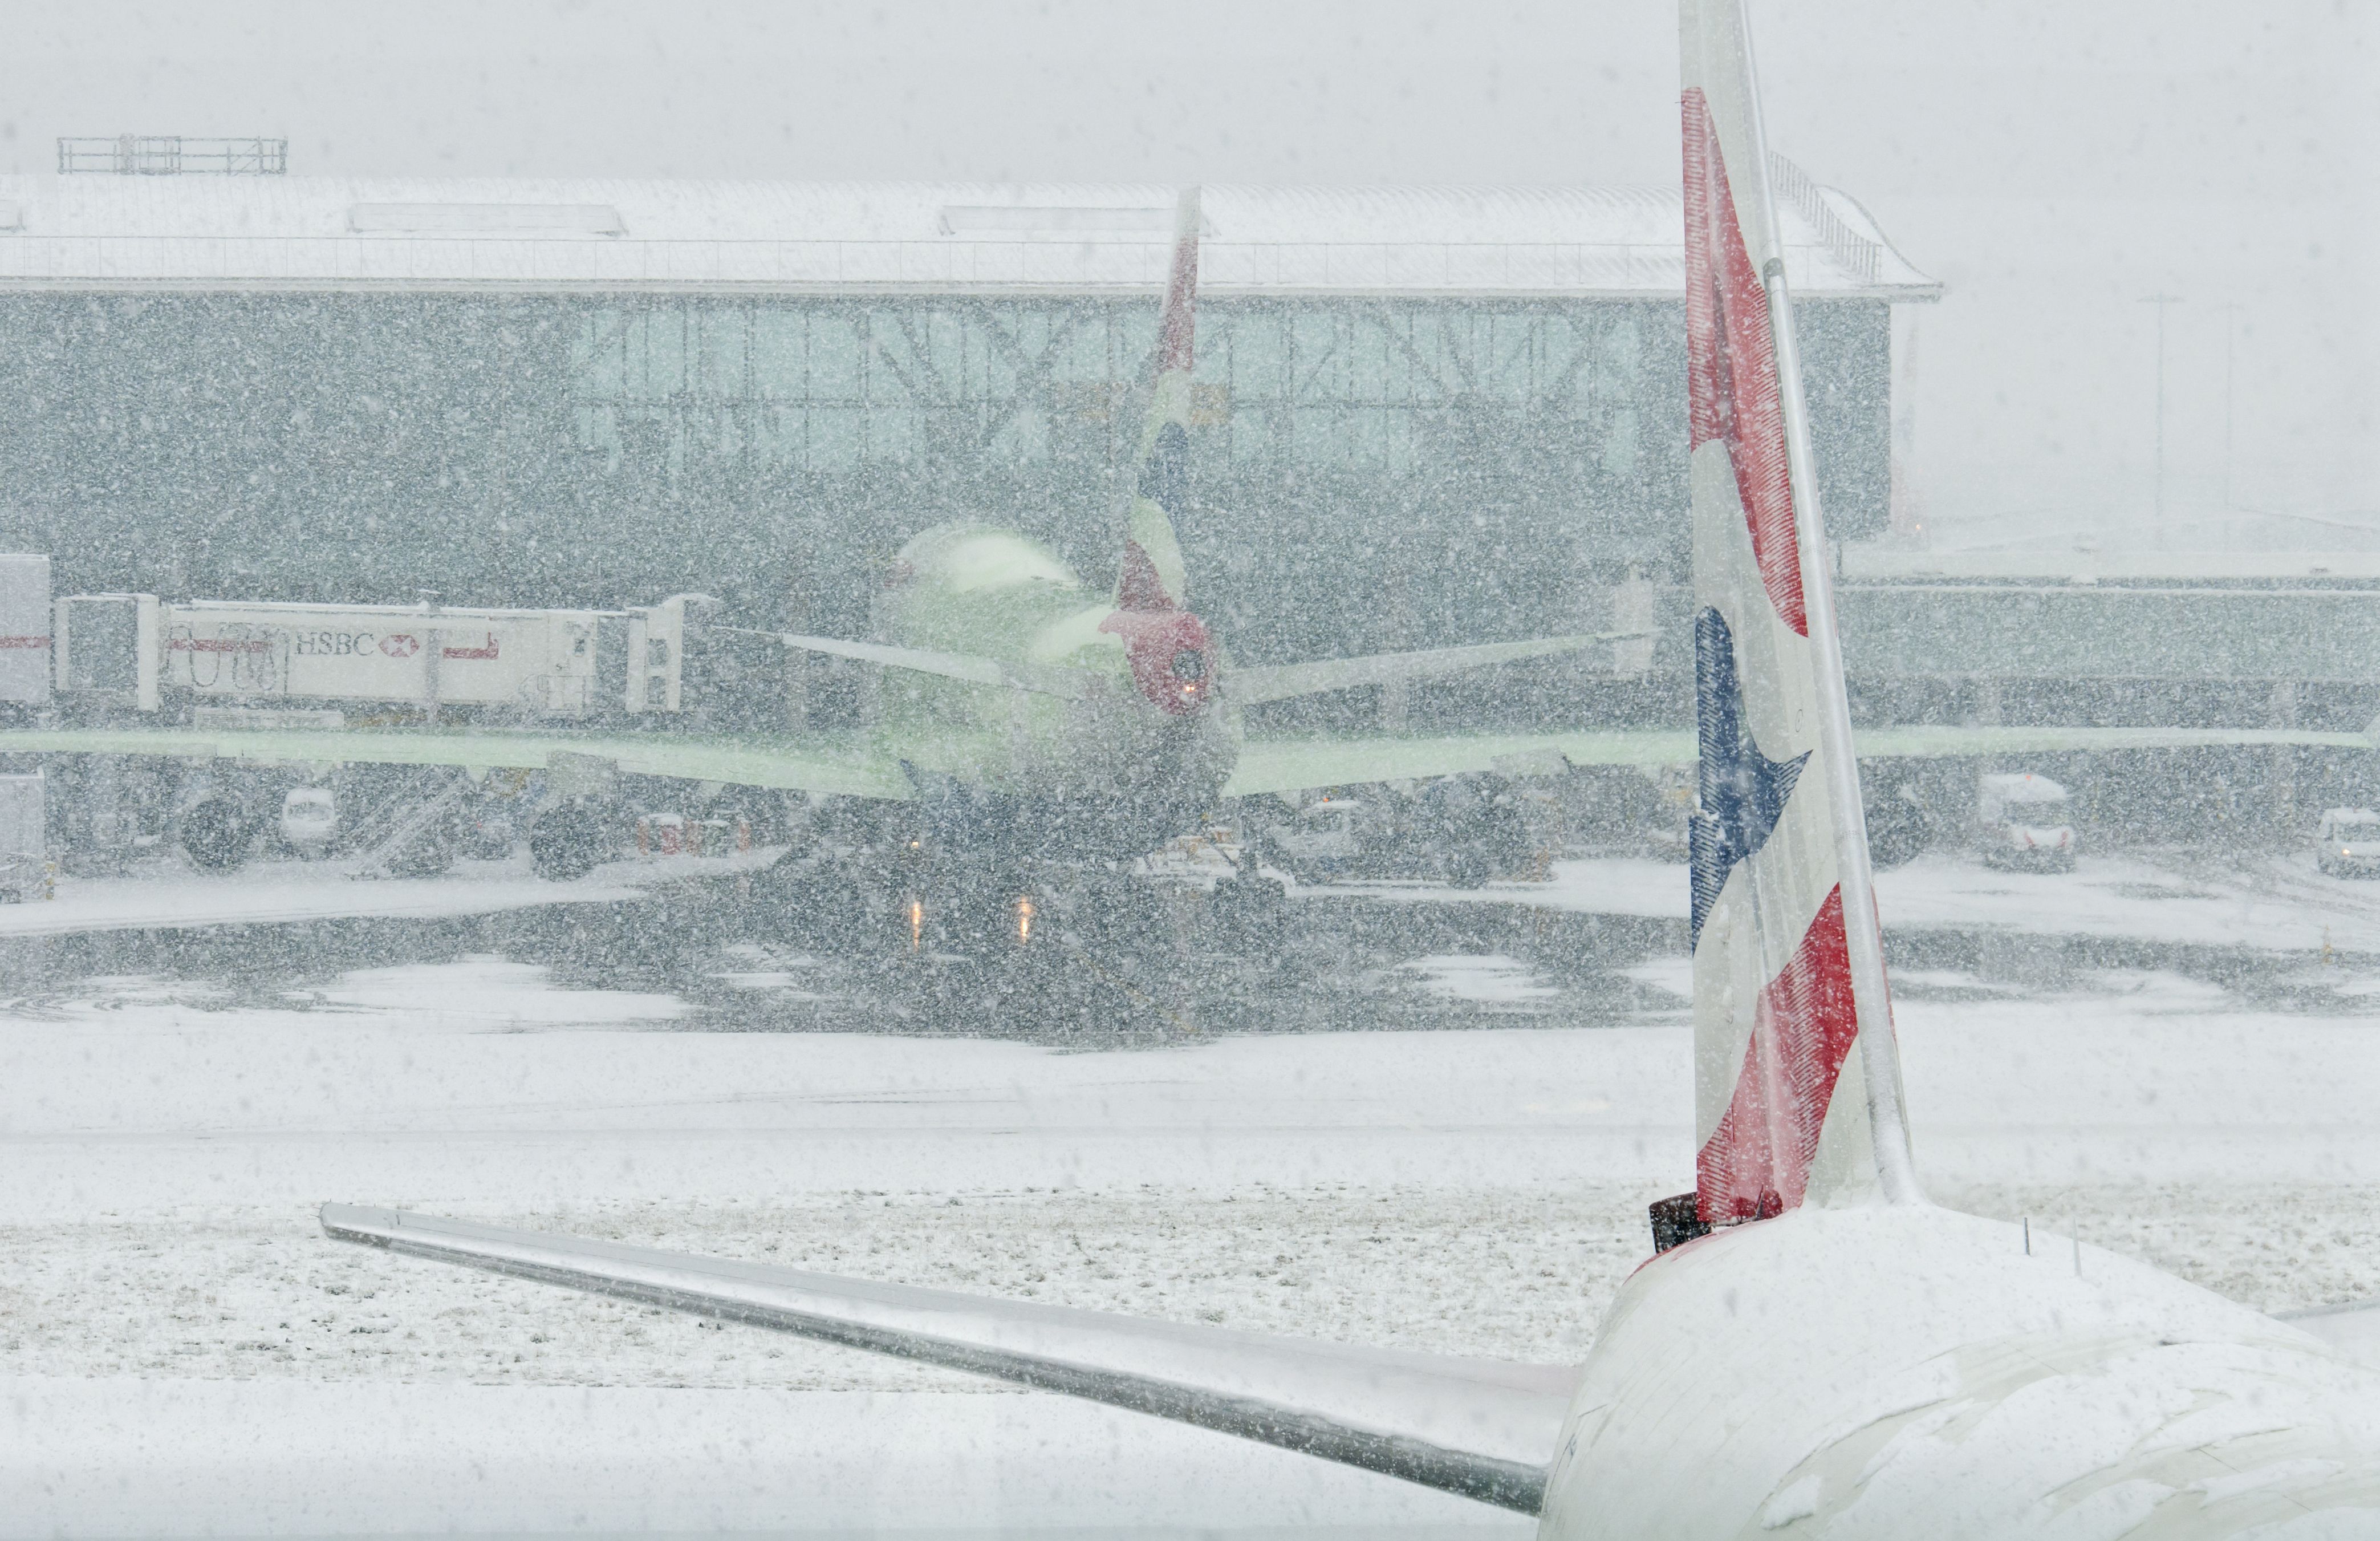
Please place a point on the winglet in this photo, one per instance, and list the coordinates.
(1153, 575)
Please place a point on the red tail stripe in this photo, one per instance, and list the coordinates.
(1732, 388)
(1140, 587)
(1174, 343)
(1757, 1162)
(1153, 640)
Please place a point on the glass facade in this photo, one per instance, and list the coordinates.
(1370, 473)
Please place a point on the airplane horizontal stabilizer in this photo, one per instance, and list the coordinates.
(1248, 686)
(1039, 679)
(1482, 1428)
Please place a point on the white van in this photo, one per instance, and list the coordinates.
(308, 819)
(1325, 841)
(2025, 824)
(2347, 844)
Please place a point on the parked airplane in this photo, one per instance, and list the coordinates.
(1023, 706)
(1815, 1349)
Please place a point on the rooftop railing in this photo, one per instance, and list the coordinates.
(174, 155)
(1858, 255)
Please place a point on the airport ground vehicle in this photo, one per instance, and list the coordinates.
(309, 817)
(2025, 824)
(1323, 838)
(25, 870)
(2347, 842)
(1463, 830)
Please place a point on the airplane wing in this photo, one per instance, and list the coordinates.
(841, 764)
(1248, 684)
(1308, 764)
(1039, 679)
(1484, 1428)
(1951, 742)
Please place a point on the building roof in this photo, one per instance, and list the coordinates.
(277, 234)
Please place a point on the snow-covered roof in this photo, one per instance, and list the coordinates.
(266, 234)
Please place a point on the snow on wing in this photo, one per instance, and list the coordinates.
(1779, 1113)
(1250, 685)
(1482, 1428)
(1041, 680)
(1310, 763)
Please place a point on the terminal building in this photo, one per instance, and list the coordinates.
(1425, 415)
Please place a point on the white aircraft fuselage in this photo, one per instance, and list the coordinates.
(1898, 1372)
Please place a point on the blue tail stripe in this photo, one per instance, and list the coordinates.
(1739, 791)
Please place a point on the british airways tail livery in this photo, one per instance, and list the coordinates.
(1152, 575)
(1797, 1088)
(1818, 1352)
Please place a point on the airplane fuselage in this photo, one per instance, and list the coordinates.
(1889, 1372)
(1135, 749)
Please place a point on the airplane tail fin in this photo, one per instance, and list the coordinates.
(1153, 575)
(1797, 1084)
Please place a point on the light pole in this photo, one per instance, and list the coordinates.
(2231, 309)
(2160, 301)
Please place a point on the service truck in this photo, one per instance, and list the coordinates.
(25, 871)
(1462, 830)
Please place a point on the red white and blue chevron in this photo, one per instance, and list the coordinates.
(1780, 1114)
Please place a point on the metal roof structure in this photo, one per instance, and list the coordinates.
(294, 234)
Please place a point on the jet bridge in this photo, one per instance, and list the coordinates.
(137, 651)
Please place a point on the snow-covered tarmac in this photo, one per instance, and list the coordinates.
(183, 1353)
(2277, 904)
(176, 898)
(163, 893)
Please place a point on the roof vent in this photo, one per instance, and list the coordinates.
(976, 219)
(505, 219)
